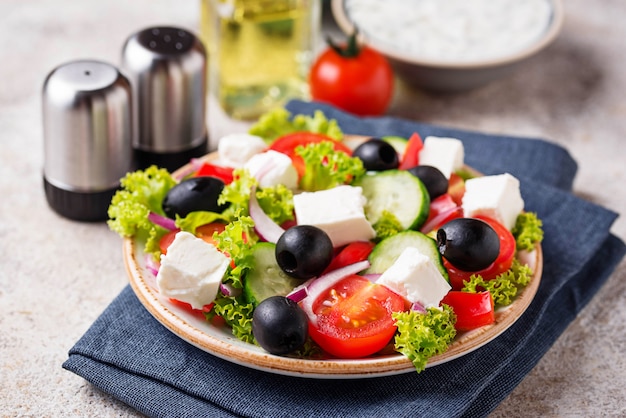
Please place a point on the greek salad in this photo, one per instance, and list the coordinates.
(316, 244)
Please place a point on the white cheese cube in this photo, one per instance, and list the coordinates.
(236, 149)
(495, 196)
(191, 271)
(415, 277)
(337, 211)
(445, 154)
(271, 168)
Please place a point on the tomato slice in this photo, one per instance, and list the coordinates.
(223, 173)
(206, 231)
(500, 265)
(442, 209)
(456, 188)
(412, 152)
(350, 254)
(353, 317)
(473, 310)
(287, 145)
(167, 239)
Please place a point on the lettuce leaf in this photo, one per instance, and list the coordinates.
(237, 240)
(237, 194)
(276, 202)
(421, 336)
(278, 122)
(237, 313)
(505, 286)
(527, 231)
(387, 226)
(326, 168)
(195, 219)
(141, 192)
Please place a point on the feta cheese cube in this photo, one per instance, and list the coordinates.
(415, 277)
(445, 154)
(191, 271)
(236, 149)
(337, 211)
(271, 168)
(495, 196)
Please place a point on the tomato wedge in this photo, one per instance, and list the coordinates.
(350, 254)
(503, 261)
(204, 231)
(456, 188)
(442, 209)
(412, 152)
(353, 317)
(287, 145)
(223, 173)
(473, 310)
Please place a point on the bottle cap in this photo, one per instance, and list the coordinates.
(87, 128)
(167, 69)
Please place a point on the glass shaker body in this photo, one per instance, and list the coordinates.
(260, 52)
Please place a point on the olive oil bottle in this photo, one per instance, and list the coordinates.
(260, 52)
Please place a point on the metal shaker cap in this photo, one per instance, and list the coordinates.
(87, 127)
(167, 69)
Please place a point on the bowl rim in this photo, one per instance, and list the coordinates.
(556, 24)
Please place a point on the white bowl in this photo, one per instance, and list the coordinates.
(447, 75)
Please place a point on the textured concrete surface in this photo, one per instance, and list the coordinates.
(56, 276)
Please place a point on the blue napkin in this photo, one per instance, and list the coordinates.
(130, 355)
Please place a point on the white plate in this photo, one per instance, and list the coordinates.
(220, 342)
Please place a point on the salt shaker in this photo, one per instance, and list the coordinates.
(87, 127)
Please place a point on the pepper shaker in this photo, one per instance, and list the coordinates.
(167, 67)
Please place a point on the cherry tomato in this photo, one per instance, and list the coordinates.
(287, 145)
(217, 320)
(354, 78)
(410, 158)
(350, 254)
(353, 317)
(502, 263)
(473, 310)
(223, 173)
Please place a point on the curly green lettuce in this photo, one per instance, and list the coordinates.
(387, 226)
(504, 287)
(237, 194)
(237, 240)
(276, 202)
(237, 313)
(421, 336)
(141, 192)
(278, 122)
(326, 168)
(527, 231)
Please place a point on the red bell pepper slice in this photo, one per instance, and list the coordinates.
(223, 173)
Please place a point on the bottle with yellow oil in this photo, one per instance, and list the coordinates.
(260, 52)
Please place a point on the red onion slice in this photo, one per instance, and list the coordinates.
(298, 294)
(267, 229)
(436, 220)
(317, 286)
(416, 306)
(229, 290)
(162, 221)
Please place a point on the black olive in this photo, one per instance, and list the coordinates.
(377, 155)
(468, 244)
(304, 251)
(193, 194)
(279, 325)
(434, 180)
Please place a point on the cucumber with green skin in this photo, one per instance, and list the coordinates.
(387, 251)
(397, 192)
(266, 278)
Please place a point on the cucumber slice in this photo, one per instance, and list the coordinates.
(398, 192)
(388, 250)
(266, 278)
(397, 142)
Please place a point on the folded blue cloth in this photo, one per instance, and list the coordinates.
(130, 355)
